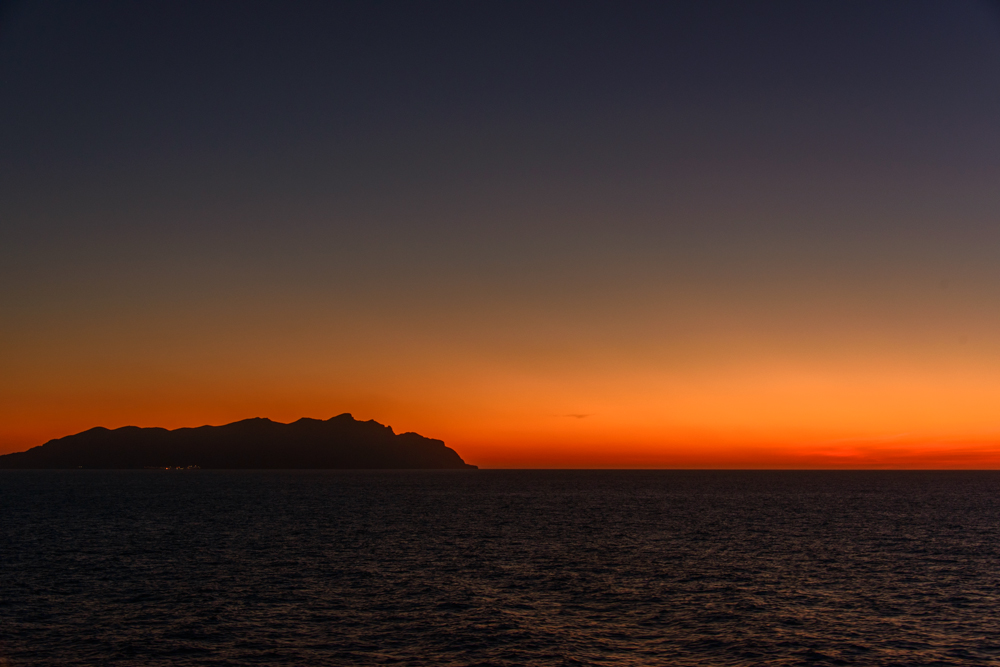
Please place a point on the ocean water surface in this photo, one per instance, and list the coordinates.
(499, 568)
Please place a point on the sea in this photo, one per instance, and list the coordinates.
(494, 567)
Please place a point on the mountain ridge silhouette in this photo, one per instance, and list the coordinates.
(341, 442)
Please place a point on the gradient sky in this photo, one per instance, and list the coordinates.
(551, 234)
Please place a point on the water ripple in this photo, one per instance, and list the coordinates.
(499, 568)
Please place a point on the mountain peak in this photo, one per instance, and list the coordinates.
(338, 443)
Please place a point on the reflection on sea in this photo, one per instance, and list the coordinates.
(499, 567)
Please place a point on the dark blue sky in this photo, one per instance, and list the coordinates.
(170, 108)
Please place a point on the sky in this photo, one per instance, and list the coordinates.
(552, 234)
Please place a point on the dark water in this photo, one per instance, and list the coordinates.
(499, 568)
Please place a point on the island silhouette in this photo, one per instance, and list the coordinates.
(338, 443)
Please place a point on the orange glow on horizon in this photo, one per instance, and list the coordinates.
(754, 417)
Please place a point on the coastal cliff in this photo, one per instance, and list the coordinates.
(338, 443)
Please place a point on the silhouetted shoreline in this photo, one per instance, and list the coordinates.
(338, 443)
